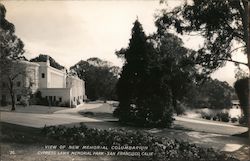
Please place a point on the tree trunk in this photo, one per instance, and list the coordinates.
(248, 57)
(13, 102)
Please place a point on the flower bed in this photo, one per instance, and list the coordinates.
(164, 149)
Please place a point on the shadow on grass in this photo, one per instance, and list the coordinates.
(243, 135)
(13, 133)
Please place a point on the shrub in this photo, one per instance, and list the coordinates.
(224, 116)
(215, 118)
(234, 119)
(207, 116)
(64, 104)
(242, 120)
(24, 101)
(145, 117)
(37, 99)
(179, 109)
(164, 149)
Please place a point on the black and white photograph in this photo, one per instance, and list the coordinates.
(124, 80)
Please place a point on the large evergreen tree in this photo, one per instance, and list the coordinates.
(142, 93)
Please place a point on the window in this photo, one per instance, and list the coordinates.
(43, 75)
(18, 84)
(54, 98)
(3, 85)
(60, 99)
(74, 98)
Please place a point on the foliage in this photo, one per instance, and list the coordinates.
(142, 93)
(223, 116)
(243, 120)
(11, 47)
(176, 64)
(11, 50)
(206, 116)
(241, 88)
(43, 58)
(221, 23)
(99, 76)
(219, 116)
(37, 99)
(212, 93)
(5, 24)
(234, 119)
(164, 149)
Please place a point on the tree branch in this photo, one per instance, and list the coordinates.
(237, 49)
(234, 61)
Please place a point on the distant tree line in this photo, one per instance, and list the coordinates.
(100, 78)
(211, 93)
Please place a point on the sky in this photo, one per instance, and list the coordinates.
(74, 30)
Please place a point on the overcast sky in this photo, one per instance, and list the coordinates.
(73, 30)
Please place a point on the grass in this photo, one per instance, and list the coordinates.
(26, 141)
(21, 134)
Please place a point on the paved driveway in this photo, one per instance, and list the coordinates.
(205, 133)
(39, 120)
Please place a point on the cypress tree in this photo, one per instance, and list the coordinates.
(141, 92)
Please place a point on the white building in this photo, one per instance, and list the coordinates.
(55, 85)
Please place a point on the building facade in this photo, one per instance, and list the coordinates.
(55, 86)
